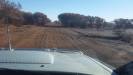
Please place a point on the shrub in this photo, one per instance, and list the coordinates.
(125, 35)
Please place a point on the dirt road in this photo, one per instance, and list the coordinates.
(113, 52)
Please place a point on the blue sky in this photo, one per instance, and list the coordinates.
(108, 9)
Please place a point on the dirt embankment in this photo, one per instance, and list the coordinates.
(113, 52)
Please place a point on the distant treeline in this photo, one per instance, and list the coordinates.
(77, 20)
(11, 13)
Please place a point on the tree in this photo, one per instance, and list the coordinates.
(40, 19)
(95, 22)
(77, 20)
(73, 20)
(57, 22)
(99, 22)
(123, 23)
(9, 11)
(109, 25)
(28, 18)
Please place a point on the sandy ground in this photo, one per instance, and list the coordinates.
(113, 52)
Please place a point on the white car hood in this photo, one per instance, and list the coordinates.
(75, 62)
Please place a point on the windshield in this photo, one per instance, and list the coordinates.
(101, 29)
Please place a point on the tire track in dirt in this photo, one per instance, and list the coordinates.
(28, 38)
(46, 38)
(78, 43)
(17, 37)
(67, 39)
(40, 39)
(3, 40)
(106, 52)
